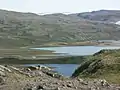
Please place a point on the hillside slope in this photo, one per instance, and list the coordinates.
(104, 64)
(101, 15)
(23, 29)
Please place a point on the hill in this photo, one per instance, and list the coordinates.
(28, 29)
(104, 64)
(111, 16)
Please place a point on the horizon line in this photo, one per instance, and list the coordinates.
(47, 13)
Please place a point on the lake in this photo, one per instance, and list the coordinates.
(68, 69)
(77, 50)
(64, 69)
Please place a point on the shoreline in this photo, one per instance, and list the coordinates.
(24, 55)
(83, 43)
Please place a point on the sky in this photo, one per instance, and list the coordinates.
(59, 6)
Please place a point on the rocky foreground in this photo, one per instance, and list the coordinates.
(44, 78)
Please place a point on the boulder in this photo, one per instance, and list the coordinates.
(57, 88)
(41, 67)
(2, 73)
(2, 70)
(69, 85)
(33, 68)
(5, 68)
(2, 80)
(14, 68)
(104, 82)
(39, 87)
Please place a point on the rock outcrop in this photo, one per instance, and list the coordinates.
(39, 79)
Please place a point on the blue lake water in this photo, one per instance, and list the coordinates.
(77, 50)
(68, 69)
(64, 69)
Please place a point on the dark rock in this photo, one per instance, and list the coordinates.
(32, 68)
(2, 80)
(104, 83)
(69, 85)
(39, 87)
(57, 88)
(29, 89)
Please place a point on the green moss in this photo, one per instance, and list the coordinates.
(104, 64)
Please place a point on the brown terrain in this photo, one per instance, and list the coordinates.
(43, 78)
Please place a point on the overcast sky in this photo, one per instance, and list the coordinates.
(59, 6)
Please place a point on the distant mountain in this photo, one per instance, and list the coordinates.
(23, 29)
(102, 15)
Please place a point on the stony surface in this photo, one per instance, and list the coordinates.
(37, 78)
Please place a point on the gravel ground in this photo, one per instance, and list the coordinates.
(42, 78)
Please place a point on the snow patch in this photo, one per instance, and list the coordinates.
(118, 23)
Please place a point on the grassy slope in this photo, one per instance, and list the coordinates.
(49, 60)
(104, 64)
(23, 29)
